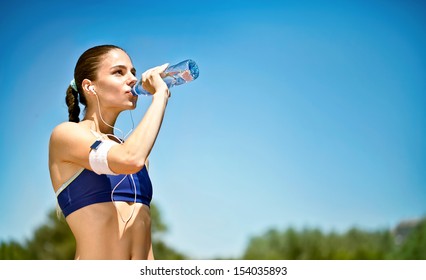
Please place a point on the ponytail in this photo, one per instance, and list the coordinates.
(72, 102)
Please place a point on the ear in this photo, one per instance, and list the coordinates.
(88, 87)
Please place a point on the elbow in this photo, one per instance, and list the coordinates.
(133, 165)
(128, 163)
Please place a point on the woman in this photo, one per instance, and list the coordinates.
(101, 182)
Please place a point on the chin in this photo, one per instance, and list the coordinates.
(128, 106)
(131, 104)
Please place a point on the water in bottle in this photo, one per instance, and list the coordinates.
(181, 73)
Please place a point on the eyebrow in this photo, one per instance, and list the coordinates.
(133, 70)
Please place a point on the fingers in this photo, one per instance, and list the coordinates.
(163, 67)
(152, 78)
(157, 69)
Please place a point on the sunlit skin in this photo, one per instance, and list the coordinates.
(99, 231)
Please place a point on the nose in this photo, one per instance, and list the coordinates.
(132, 80)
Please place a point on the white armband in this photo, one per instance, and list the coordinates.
(98, 159)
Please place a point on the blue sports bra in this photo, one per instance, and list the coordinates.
(86, 188)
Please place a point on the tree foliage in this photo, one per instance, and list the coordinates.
(354, 244)
(414, 248)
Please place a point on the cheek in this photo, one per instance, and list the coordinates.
(110, 90)
(111, 87)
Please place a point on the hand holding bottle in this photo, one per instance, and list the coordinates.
(152, 81)
(181, 73)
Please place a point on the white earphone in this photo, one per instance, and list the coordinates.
(92, 89)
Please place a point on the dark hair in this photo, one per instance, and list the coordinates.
(86, 68)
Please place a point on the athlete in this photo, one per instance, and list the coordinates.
(101, 181)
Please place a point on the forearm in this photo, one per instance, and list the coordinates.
(133, 153)
(142, 140)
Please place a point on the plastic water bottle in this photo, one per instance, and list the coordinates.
(181, 73)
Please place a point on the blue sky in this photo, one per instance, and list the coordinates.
(305, 113)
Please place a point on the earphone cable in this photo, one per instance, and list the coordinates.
(131, 175)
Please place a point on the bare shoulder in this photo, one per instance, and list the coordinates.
(68, 131)
(68, 136)
(69, 147)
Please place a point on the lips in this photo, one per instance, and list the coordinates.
(131, 95)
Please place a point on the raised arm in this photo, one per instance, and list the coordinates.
(70, 142)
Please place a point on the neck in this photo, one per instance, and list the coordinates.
(103, 122)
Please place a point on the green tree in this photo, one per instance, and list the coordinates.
(414, 247)
(12, 251)
(53, 240)
(312, 244)
(161, 250)
(356, 244)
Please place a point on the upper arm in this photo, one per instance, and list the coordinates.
(70, 143)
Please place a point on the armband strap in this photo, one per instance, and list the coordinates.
(98, 159)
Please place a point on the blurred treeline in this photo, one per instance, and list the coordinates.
(354, 244)
(55, 241)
